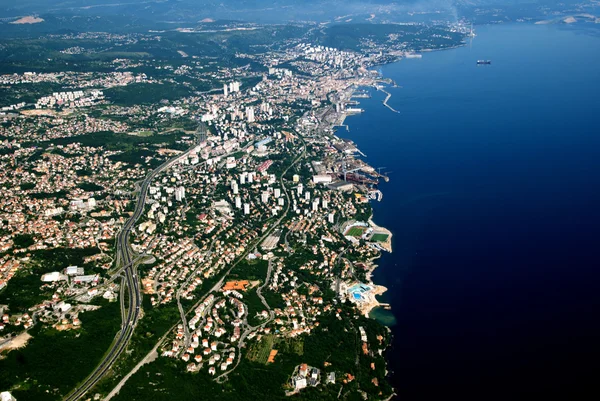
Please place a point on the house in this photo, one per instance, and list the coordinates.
(299, 383)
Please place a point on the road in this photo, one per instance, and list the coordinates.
(250, 329)
(131, 282)
(242, 257)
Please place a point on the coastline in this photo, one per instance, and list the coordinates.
(372, 303)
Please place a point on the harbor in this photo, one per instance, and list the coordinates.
(387, 98)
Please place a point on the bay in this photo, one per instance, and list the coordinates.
(493, 202)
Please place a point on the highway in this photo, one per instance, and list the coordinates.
(131, 282)
(218, 285)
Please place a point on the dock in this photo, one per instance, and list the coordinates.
(385, 102)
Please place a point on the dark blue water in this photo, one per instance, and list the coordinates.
(494, 202)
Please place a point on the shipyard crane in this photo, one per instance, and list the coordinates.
(346, 171)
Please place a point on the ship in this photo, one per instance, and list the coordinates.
(484, 62)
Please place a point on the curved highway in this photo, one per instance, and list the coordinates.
(131, 282)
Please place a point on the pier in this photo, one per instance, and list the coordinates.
(385, 102)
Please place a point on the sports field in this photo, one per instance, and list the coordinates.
(355, 231)
(379, 237)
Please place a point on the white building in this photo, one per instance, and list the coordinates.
(6, 396)
(54, 276)
(250, 114)
(315, 204)
(300, 383)
(74, 271)
(322, 179)
(179, 194)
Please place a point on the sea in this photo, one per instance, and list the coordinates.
(494, 205)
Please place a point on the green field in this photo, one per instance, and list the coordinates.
(355, 231)
(379, 237)
(259, 352)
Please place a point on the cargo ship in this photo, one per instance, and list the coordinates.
(484, 62)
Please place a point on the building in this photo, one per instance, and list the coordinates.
(322, 179)
(341, 186)
(92, 278)
(246, 208)
(6, 396)
(54, 276)
(74, 271)
(225, 90)
(179, 194)
(250, 114)
(299, 383)
(315, 204)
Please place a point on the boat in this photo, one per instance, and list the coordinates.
(484, 62)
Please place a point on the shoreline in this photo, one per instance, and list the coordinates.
(372, 303)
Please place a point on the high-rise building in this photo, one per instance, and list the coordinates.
(315, 204)
(277, 192)
(246, 208)
(225, 90)
(250, 114)
(238, 202)
(264, 197)
(179, 194)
